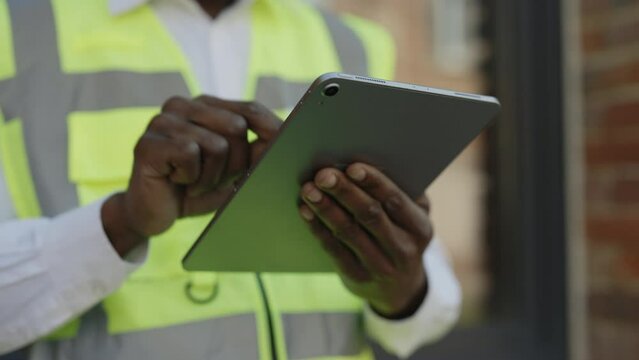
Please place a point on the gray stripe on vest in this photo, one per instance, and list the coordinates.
(224, 338)
(350, 48)
(276, 93)
(42, 96)
(322, 334)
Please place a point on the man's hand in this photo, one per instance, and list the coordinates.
(375, 233)
(186, 164)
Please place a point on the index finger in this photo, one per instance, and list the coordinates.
(258, 117)
(398, 206)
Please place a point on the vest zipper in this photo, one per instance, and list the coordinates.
(269, 317)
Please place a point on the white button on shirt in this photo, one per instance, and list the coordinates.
(54, 269)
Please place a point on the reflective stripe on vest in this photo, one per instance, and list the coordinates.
(90, 82)
(323, 334)
(277, 93)
(309, 336)
(40, 81)
(227, 337)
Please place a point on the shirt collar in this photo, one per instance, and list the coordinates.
(119, 7)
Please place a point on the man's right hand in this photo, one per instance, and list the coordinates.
(186, 164)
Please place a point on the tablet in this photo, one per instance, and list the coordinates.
(410, 132)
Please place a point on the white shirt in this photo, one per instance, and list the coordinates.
(52, 269)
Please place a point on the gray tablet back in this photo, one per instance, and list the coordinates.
(412, 133)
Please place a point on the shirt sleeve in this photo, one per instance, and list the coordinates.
(53, 269)
(434, 319)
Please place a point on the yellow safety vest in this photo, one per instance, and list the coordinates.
(78, 86)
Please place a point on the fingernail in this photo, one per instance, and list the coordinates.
(327, 180)
(307, 214)
(356, 173)
(314, 196)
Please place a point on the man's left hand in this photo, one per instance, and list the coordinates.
(375, 233)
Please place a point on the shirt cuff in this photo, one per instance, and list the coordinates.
(87, 267)
(435, 317)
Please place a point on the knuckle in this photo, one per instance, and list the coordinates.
(158, 122)
(198, 111)
(264, 114)
(237, 126)
(255, 108)
(372, 214)
(188, 148)
(219, 146)
(175, 103)
(393, 203)
(406, 250)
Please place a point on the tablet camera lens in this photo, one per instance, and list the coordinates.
(331, 89)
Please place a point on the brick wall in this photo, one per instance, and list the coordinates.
(610, 30)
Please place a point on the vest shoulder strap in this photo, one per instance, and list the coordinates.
(378, 43)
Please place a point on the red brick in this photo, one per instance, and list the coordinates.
(612, 177)
(616, 305)
(621, 134)
(610, 35)
(616, 123)
(598, 187)
(628, 266)
(602, 262)
(626, 192)
(611, 340)
(594, 6)
(618, 229)
(593, 41)
(606, 153)
(618, 35)
(625, 74)
(624, 114)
